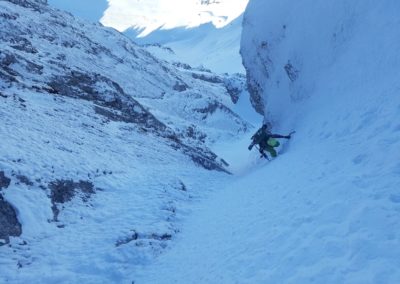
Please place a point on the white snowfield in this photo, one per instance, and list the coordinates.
(326, 210)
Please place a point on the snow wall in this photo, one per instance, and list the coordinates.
(329, 70)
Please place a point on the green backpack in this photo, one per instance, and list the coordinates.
(273, 142)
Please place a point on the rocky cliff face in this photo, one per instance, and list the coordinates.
(329, 70)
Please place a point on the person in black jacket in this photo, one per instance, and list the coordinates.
(266, 141)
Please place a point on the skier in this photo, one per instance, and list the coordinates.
(266, 141)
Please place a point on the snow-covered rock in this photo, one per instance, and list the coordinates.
(104, 146)
(70, 63)
(329, 70)
(286, 52)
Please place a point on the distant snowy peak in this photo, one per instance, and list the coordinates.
(215, 49)
(154, 14)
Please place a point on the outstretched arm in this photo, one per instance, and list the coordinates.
(280, 136)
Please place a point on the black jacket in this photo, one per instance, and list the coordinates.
(264, 135)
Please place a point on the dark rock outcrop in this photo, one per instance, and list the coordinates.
(258, 69)
(63, 191)
(25, 180)
(256, 94)
(33, 4)
(208, 78)
(234, 86)
(291, 71)
(7, 74)
(4, 181)
(212, 107)
(180, 86)
(115, 104)
(9, 224)
(142, 237)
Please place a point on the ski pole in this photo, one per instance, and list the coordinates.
(262, 153)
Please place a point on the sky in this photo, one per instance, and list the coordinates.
(91, 10)
(149, 15)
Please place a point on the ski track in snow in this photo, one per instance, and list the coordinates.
(323, 212)
(327, 209)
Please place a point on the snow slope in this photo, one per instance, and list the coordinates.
(327, 210)
(141, 190)
(105, 148)
(214, 48)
